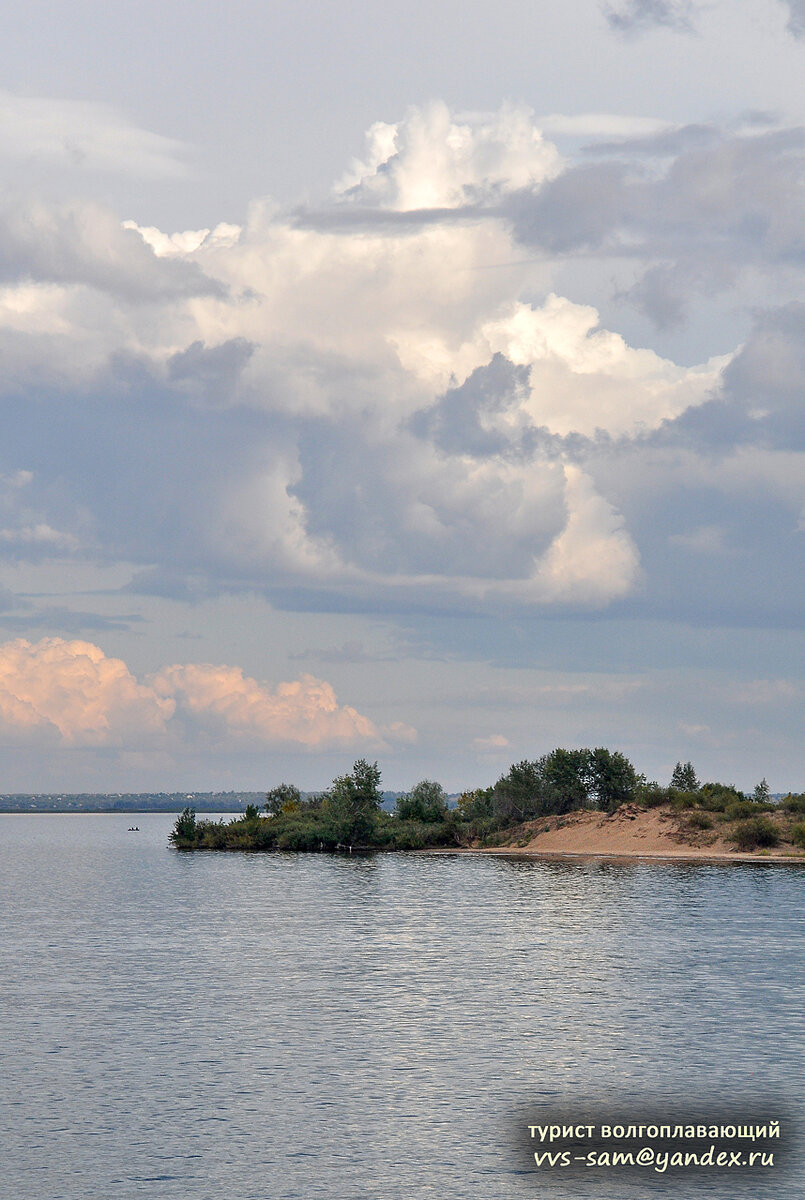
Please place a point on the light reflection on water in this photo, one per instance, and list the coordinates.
(234, 1026)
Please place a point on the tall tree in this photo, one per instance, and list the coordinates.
(523, 792)
(612, 777)
(684, 777)
(352, 803)
(762, 792)
(427, 801)
(285, 797)
(568, 773)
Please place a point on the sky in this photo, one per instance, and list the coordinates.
(409, 382)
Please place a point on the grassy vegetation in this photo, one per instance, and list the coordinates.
(348, 815)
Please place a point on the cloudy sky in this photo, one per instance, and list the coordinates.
(404, 381)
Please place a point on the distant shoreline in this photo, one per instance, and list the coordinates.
(218, 809)
(127, 802)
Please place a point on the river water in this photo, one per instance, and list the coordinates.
(241, 1027)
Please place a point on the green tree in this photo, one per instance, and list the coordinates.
(427, 801)
(524, 792)
(352, 803)
(285, 797)
(476, 805)
(613, 780)
(184, 831)
(684, 778)
(568, 773)
(762, 792)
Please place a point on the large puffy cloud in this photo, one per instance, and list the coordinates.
(432, 159)
(385, 403)
(69, 693)
(230, 705)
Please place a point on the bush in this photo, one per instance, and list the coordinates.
(738, 810)
(798, 835)
(715, 797)
(700, 820)
(683, 800)
(652, 795)
(794, 803)
(715, 801)
(755, 833)
(299, 837)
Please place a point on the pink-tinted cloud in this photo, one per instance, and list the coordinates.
(228, 704)
(70, 693)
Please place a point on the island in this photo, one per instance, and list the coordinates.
(588, 802)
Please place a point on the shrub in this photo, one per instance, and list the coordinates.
(798, 835)
(299, 837)
(684, 800)
(714, 801)
(794, 803)
(738, 810)
(700, 820)
(755, 833)
(715, 797)
(652, 795)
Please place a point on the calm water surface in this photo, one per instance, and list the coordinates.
(229, 1027)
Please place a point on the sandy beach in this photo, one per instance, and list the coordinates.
(631, 832)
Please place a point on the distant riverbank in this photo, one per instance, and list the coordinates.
(126, 802)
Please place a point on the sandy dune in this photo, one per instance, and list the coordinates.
(632, 831)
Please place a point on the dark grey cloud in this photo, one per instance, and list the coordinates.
(129, 467)
(351, 651)
(761, 404)
(211, 374)
(667, 143)
(83, 243)
(715, 499)
(455, 422)
(391, 509)
(61, 621)
(352, 218)
(796, 17)
(637, 16)
(692, 228)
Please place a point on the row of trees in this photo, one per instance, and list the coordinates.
(349, 813)
(558, 782)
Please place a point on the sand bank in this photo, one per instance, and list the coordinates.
(631, 832)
